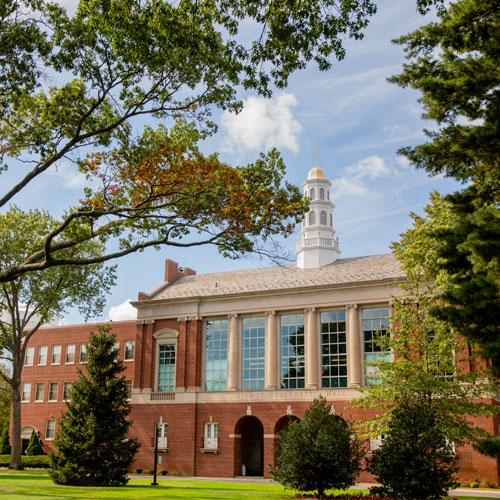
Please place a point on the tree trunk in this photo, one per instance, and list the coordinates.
(16, 446)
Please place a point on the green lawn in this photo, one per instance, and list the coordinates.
(38, 486)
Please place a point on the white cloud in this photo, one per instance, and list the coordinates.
(262, 124)
(69, 175)
(352, 182)
(122, 312)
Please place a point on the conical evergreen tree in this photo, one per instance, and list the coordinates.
(34, 445)
(91, 442)
(4, 439)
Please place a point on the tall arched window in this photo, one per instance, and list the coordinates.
(311, 194)
(321, 194)
(322, 218)
(331, 220)
(312, 218)
(328, 194)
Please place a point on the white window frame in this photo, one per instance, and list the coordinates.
(129, 388)
(50, 425)
(65, 385)
(83, 350)
(126, 350)
(26, 392)
(43, 352)
(68, 353)
(51, 400)
(56, 351)
(37, 386)
(165, 337)
(29, 356)
(376, 443)
(211, 436)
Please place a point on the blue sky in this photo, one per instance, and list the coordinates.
(351, 114)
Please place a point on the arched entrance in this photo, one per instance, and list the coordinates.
(252, 446)
(281, 425)
(25, 437)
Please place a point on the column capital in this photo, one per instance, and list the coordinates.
(351, 306)
(182, 318)
(232, 316)
(193, 318)
(270, 313)
(310, 309)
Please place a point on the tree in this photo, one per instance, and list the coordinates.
(4, 439)
(92, 444)
(318, 453)
(415, 460)
(167, 61)
(430, 360)
(30, 301)
(453, 63)
(34, 445)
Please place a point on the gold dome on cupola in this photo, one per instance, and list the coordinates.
(316, 173)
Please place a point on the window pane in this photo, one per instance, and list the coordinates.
(56, 355)
(129, 349)
(39, 390)
(292, 359)
(216, 355)
(375, 321)
(83, 353)
(333, 345)
(166, 368)
(53, 389)
(29, 356)
(70, 353)
(42, 355)
(253, 354)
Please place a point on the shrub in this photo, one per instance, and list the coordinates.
(150, 472)
(4, 439)
(321, 444)
(138, 470)
(474, 484)
(34, 446)
(164, 472)
(415, 460)
(36, 462)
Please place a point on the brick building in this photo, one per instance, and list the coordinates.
(224, 359)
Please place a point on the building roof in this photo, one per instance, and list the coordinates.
(316, 173)
(342, 271)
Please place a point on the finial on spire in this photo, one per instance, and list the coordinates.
(316, 151)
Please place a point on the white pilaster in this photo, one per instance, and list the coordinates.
(233, 359)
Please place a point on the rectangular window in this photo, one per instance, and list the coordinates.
(29, 356)
(83, 353)
(42, 355)
(129, 350)
(253, 355)
(166, 368)
(50, 429)
(25, 395)
(375, 323)
(129, 388)
(116, 348)
(70, 354)
(67, 391)
(211, 439)
(292, 351)
(53, 390)
(162, 435)
(333, 349)
(216, 355)
(56, 355)
(39, 390)
(376, 443)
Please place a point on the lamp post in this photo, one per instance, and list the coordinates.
(155, 469)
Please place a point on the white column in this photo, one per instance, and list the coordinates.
(233, 354)
(272, 351)
(354, 346)
(312, 349)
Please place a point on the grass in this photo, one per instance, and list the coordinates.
(37, 485)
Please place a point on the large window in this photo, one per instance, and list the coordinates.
(70, 354)
(26, 393)
(292, 351)
(375, 322)
(333, 349)
(83, 353)
(216, 355)
(67, 391)
(129, 350)
(53, 390)
(166, 368)
(211, 441)
(50, 429)
(253, 363)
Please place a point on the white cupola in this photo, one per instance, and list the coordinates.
(317, 245)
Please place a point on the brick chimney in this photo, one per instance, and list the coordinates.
(172, 271)
(189, 272)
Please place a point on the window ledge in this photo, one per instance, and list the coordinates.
(210, 450)
(160, 450)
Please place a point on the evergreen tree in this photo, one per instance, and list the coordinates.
(318, 452)
(415, 459)
(91, 442)
(4, 439)
(34, 445)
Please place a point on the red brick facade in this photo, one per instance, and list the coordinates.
(186, 420)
